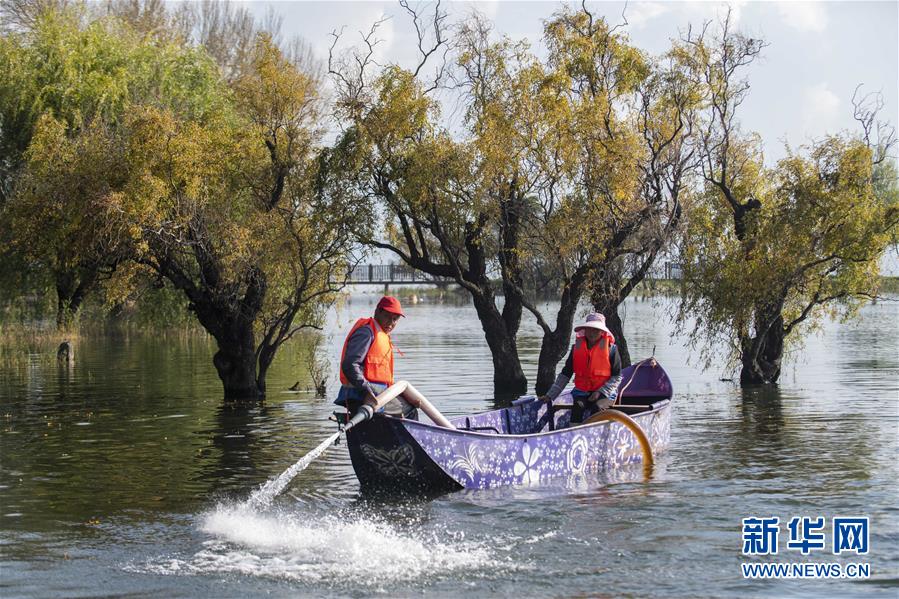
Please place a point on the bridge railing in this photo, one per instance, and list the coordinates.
(390, 273)
(402, 273)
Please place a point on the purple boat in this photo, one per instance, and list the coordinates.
(527, 443)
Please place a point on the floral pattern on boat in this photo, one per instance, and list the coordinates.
(514, 445)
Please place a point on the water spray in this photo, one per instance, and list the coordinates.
(267, 492)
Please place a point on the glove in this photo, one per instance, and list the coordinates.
(370, 397)
(604, 404)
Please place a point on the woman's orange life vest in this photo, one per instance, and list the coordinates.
(592, 367)
(378, 367)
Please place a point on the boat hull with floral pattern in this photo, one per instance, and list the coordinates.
(524, 444)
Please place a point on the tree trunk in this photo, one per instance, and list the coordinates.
(266, 357)
(613, 321)
(235, 362)
(608, 307)
(761, 355)
(71, 289)
(509, 381)
(557, 342)
(552, 350)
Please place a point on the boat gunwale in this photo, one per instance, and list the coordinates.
(405, 422)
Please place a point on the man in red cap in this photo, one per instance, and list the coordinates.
(366, 363)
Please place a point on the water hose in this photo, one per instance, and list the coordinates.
(363, 414)
(629, 423)
(410, 394)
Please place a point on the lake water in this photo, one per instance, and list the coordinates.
(126, 475)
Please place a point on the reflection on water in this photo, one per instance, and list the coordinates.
(127, 474)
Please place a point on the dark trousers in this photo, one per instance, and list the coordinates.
(581, 407)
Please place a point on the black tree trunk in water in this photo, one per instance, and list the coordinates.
(508, 377)
(762, 355)
(613, 321)
(609, 308)
(235, 362)
(557, 342)
(553, 349)
(71, 289)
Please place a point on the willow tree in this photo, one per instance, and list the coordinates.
(75, 77)
(426, 186)
(771, 251)
(394, 154)
(613, 163)
(225, 209)
(581, 157)
(576, 162)
(54, 213)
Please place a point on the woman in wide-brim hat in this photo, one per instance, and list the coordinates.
(596, 365)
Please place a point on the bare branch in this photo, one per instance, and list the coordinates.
(879, 136)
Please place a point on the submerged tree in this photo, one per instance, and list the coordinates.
(454, 207)
(71, 79)
(128, 148)
(613, 200)
(226, 210)
(56, 207)
(771, 251)
(575, 162)
(395, 154)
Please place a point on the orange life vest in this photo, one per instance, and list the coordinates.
(592, 367)
(378, 367)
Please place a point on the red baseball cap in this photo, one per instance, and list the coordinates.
(391, 304)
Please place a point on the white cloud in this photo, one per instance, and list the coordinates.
(821, 109)
(489, 9)
(804, 16)
(714, 11)
(640, 13)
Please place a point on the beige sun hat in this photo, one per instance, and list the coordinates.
(594, 320)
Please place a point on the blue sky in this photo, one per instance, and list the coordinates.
(817, 52)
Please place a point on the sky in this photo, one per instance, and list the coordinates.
(801, 88)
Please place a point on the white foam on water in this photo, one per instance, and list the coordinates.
(326, 550)
(251, 539)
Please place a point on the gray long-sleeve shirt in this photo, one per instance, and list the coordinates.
(607, 390)
(353, 364)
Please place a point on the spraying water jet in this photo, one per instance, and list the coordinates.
(267, 492)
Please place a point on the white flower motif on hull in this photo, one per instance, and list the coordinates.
(577, 456)
(468, 464)
(526, 467)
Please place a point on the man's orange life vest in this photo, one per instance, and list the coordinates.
(378, 366)
(592, 367)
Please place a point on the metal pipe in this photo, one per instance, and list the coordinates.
(421, 402)
(410, 394)
(365, 412)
